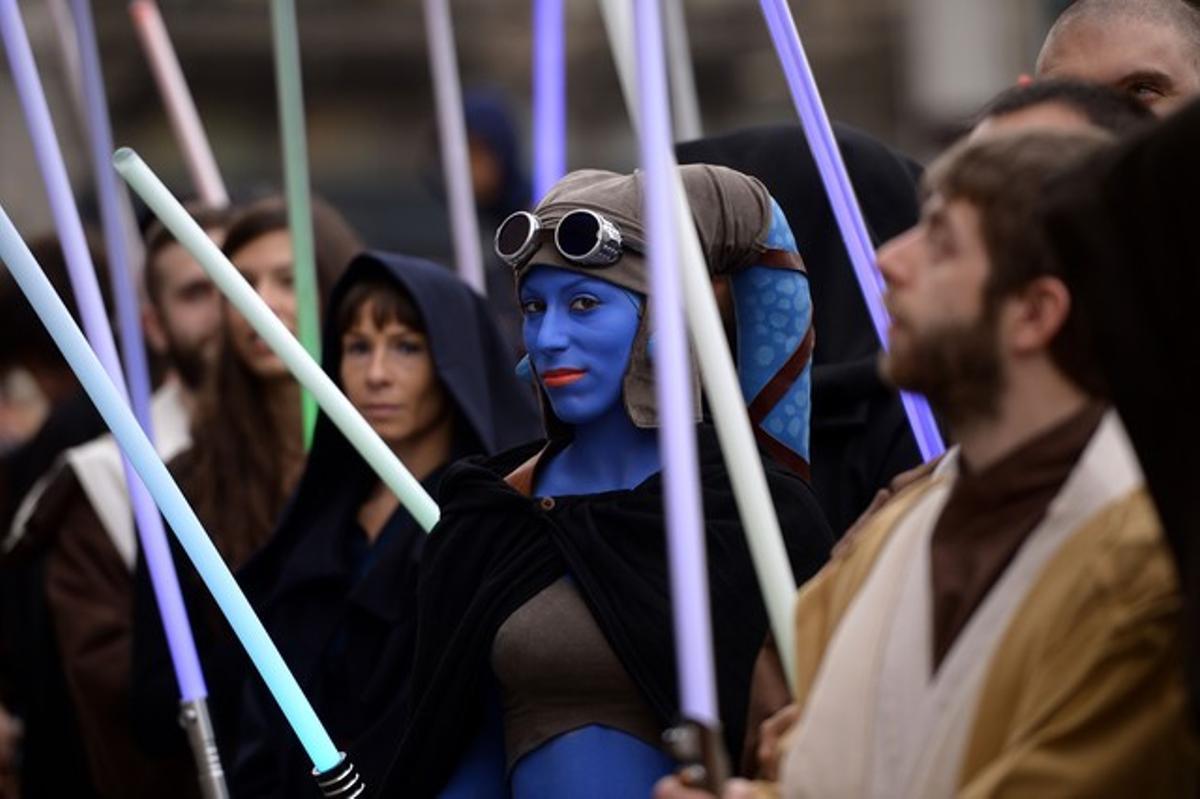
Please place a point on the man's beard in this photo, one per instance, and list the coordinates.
(191, 362)
(957, 367)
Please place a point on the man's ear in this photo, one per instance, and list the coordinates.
(1044, 306)
(154, 329)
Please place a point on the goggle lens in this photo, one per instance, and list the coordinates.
(578, 234)
(514, 235)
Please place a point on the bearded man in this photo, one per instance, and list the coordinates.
(1009, 624)
(77, 526)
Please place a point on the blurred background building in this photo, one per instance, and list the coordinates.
(910, 72)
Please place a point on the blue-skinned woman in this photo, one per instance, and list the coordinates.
(544, 664)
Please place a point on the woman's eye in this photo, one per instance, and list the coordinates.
(584, 303)
(356, 348)
(531, 307)
(410, 347)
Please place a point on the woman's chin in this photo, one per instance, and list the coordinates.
(573, 414)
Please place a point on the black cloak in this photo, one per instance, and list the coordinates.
(33, 684)
(860, 435)
(496, 548)
(1124, 227)
(347, 634)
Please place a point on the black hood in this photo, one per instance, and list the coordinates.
(469, 355)
(495, 411)
(885, 183)
(860, 436)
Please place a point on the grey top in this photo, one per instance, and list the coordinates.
(557, 673)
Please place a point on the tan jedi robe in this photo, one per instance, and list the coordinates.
(1070, 685)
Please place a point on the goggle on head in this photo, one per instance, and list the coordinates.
(582, 236)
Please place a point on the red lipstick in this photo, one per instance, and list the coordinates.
(557, 378)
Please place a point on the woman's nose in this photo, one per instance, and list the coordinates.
(377, 372)
(552, 334)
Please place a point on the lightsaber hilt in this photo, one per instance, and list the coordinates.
(342, 781)
(700, 750)
(194, 718)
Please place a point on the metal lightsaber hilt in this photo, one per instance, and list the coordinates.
(342, 781)
(194, 718)
(700, 750)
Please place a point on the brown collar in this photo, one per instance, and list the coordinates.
(522, 478)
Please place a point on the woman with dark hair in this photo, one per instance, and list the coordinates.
(543, 664)
(416, 351)
(246, 456)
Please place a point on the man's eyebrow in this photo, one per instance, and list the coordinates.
(1147, 76)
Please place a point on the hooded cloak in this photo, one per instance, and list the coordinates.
(340, 610)
(860, 435)
(496, 548)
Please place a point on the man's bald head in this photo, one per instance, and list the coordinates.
(1149, 49)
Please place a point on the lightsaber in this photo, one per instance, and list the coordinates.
(328, 763)
(697, 742)
(676, 430)
(64, 31)
(152, 536)
(819, 132)
(452, 138)
(108, 191)
(734, 432)
(286, 39)
(549, 95)
(91, 308)
(181, 108)
(243, 297)
(685, 102)
(68, 47)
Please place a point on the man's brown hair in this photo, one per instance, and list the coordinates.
(1003, 176)
(158, 238)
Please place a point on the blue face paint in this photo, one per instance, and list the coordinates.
(579, 332)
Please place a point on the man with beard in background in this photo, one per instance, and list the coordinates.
(78, 524)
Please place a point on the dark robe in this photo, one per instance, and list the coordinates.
(860, 435)
(54, 761)
(1124, 227)
(154, 690)
(496, 548)
(53, 758)
(71, 423)
(89, 592)
(340, 609)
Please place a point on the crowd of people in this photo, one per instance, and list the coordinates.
(1016, 618)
